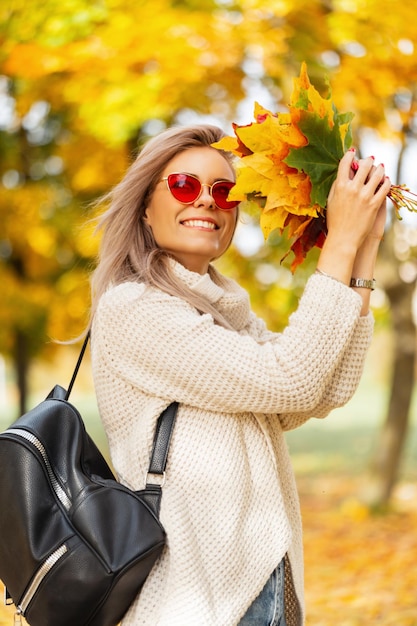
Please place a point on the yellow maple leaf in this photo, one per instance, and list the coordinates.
(316, 103)
(273, 219)
(292, 191)
(273, 133)
(254, 175)
(228, 144)
(260, 162)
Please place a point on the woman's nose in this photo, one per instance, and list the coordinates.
(205, 198)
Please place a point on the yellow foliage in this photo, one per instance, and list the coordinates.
(108, 68)
(42, 240)
(92, 167)
(119, 74)
(70, 304)
(35, 60)
(86, 239)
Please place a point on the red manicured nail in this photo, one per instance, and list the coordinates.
(355, 166)
(352, 150)
(372, 157)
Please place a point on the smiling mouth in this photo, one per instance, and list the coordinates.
(200, 224)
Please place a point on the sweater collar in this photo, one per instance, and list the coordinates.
(203, 284)
(225, 294)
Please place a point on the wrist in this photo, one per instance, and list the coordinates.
(371, 243)
(365, 261)
(339, 248)
(337, 258)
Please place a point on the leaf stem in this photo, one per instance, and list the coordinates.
(402, 197)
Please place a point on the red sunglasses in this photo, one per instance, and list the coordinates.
(187, 188)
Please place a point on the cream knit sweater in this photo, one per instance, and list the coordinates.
(229, 505)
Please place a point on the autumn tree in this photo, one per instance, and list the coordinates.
(382, 75)
(81, 86)
(370, 57)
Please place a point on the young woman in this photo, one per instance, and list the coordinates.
(167, 326)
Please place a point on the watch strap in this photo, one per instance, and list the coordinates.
(363, 282)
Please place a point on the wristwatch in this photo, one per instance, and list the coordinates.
(363, 282)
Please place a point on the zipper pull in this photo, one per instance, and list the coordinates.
(7, 597)
(17, 618)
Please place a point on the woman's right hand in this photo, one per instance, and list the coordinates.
(355, 200)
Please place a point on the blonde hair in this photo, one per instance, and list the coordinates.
(128, 251)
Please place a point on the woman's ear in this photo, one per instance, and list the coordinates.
(146, 216)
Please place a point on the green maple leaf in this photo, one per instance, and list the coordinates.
(320, 158)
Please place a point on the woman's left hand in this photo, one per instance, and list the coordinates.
(378, 228)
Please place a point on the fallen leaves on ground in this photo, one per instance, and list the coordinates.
(360, 568)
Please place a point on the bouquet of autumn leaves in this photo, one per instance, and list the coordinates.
(288, 162)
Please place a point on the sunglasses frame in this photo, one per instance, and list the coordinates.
(211, 187)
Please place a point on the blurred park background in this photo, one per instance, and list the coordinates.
(83, 83)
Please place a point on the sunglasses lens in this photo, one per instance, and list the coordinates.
(184, 188)
(220, 191)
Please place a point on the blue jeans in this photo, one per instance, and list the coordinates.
(268, 608)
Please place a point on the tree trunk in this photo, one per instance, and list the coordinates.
(21, 363)
(391, 440)
(385, 465)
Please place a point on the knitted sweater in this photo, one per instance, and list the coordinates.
(229, 506)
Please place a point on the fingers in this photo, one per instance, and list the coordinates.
(355, 199)
(364, 169)
(365, 172)
(379, 183)
(346, 162)
(350, 167)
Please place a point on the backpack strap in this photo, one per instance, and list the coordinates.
(163, 432)
(161, 440)
(77, 367)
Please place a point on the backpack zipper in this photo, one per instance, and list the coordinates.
(59, 492)
(43, 570)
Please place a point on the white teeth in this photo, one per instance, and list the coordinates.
(199, 224)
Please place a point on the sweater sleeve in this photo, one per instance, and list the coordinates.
(162, 345)
(343, 381)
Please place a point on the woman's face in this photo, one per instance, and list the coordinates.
(196, 233)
